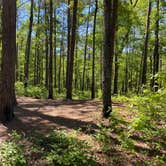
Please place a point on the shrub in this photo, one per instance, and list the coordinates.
(30, 91)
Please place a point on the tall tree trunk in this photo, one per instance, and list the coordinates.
(55, 58)
(145, 50)
(7, 92)
(126, 74)
(76, 67)
(118, 52)
(109, 37)
(37, 49)
(68, 41)
(46, 44)
(93, 54)
(50, 74)
(28, 47)
(85, 51)
(116, 74)
(156, 51)
(71, 57)
(60, 65)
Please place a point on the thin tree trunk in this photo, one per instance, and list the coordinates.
(116, 74)
(60, 65)
(156, 51)
(46, 45)
(50, 74)
(76, 67)
(28, 47)
(145, 50)
(55, 58)
(93, 54)
(85, 51)
(68, 42)
(37, 49)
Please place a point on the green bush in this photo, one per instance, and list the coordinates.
(36, 91)
(30, 91)
(19, 88)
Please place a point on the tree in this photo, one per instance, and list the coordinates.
(70, 62)
(68, 41)
(93, 55)
(156, 50)
(46, 43)
(7, 93)
(28, 47)
(145, 50)
(109, 37)
(50, 74)
(85, 51)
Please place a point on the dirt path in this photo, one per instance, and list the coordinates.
(39, 115)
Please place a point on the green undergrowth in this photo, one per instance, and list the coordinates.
(30, 91)
(12, 152)
(39, 91)
(56, 148)
(146, 127)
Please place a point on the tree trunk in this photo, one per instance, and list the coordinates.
(46, 45)
(7, 92)
(156, 52)
(60, 65)
(28, 47)
(109, 37)
(55, 58)
(50, 74)
(37, 49)
(68, 41)
(116, 74)
(145, 50)
(85, 52)
(71, 57)
(93, 54)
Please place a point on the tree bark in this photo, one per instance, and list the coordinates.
(50, 74)
(28, 47)
(7, 92)
(85, 51)
(109, 37)
(156, 51)
(68, 41)
(145, 50)
(71, 57)
(55, 57)
(46, 44)
(93, 54)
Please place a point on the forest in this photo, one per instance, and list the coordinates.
(83, 83)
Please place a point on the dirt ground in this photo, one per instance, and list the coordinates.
(39, 115)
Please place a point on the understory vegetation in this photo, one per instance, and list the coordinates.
(135, 134)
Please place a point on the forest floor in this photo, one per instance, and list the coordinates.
(42, 115)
